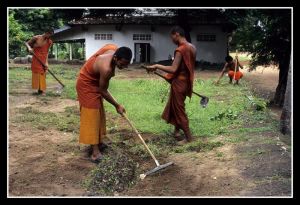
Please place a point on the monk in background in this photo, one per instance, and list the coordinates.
(92, 85)
(39, 45)
(181, 76)
(230, 68)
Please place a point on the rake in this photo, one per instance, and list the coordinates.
(158, 166)
(44, 67)
(204, 100)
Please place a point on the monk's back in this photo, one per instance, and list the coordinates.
(87, 72)
(231, 66)
(187, 66)
(41, 52)
(87, 85)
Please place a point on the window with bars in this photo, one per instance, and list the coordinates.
(103, 36)
(145, 37)
(206, 37)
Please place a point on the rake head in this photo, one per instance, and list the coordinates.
(156, 169)
(204, 102)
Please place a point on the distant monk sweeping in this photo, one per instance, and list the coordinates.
(181, 76)
(39, 45)
(230, 67)
(92, 85)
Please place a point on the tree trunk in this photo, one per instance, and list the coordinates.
(285, 120)
(282, 82)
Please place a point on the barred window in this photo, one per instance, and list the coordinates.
(103, 36)
(206, 37)
(143, 37)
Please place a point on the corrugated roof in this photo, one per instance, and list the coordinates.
(144, 20)
(66, 27)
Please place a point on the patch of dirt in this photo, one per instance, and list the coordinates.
(263, 81)
(193, 174)
(223, 171)
(45, 163)
(49, 104)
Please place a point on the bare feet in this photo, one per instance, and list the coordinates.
(185, 141)
(177, 135)
(96, 155)
(182, 142)
(40, 92)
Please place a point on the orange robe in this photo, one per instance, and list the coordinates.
(238, 74)
(92, 113)
(38, 72)
(181, 86)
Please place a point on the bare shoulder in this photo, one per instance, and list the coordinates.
(103, 65)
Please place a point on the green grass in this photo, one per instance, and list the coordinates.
(68, 121)
(219, 154)
(20, 77)
(142, 99)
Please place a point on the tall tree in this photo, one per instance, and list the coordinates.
(285, 120)
(16, 36)
(37, 21)
(266, 34)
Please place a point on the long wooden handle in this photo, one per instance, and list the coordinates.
(160, 75)
(236, 65)
(44, 66)
(144, 143)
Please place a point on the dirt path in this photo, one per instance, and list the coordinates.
(44, 163)
(240, 170)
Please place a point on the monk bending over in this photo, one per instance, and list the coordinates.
(92, 85)
(230, 68)
(39, 45)
(181, 76)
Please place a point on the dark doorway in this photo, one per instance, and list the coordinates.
(142, 52)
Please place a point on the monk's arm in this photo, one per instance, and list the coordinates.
(170, 69)
(29, 44)
(48, 55)
(103, 85)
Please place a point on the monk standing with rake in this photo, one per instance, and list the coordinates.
(39, 45)
(181, 76)
(92, 87)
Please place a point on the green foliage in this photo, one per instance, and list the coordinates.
(17, 37)
(265, 33)
(229, 114)
(258, 103)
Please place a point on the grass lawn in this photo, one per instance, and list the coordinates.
(144, 100)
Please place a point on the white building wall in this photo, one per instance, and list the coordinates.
(161, 44)
(214, 51)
